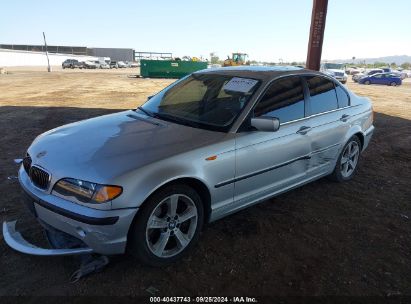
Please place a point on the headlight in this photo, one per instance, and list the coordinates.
(86, 192)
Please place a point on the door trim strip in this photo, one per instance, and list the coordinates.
(261, 171)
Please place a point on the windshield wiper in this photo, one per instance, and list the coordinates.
(176, 119)
(148, 113)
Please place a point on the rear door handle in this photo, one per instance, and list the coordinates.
(345, 117)
(304, 130)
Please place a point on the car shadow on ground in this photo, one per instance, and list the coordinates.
(323, 238)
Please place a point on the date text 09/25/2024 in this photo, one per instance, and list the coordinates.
(239, 299)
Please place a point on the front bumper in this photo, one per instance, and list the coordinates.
(16, 241)
(102, 231)
(341, 78)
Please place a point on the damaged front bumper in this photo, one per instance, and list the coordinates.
(100, 231)
(16, 241)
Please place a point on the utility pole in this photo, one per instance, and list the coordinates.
(315, 43)
(47, 54)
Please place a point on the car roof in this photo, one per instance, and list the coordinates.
(258, 72)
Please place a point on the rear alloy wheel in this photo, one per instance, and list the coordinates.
(347, 162)
(167, 226)
(393, 84)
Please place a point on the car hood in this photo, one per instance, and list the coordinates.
(105, 147)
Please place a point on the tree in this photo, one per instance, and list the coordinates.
(378, 64)
(406, 65)
(214, 58)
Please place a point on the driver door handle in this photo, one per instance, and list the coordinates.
(345, 117)
(304, 130)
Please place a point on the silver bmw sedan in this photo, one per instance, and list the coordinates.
(210, 144)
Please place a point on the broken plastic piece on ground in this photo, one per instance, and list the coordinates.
(90, 263)
(18, 161)
(16, 241)
(89, 266)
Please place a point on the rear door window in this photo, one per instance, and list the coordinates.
(342, 96)
(323, 97)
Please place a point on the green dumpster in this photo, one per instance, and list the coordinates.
(169, 68)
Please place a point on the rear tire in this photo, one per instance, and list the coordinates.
(347, 162)
(167, 226)
(393, 84)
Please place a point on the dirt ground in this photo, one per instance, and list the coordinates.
(321, 239)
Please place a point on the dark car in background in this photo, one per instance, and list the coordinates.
(71, 64)
(113, 65)
(391, 79)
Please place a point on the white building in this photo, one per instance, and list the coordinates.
(9, 58)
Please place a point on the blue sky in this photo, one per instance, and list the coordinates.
(266, 30)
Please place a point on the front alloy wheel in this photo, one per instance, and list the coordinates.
(171, 225)
(167, 225)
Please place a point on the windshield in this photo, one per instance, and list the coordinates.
(206, 101)
(336, 66)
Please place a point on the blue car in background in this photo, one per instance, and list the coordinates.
(390, 79)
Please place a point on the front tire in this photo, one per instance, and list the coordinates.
(367, 82)
(167, 226)
(393, 84)
(347, 163)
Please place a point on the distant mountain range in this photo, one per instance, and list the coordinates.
(398, 59)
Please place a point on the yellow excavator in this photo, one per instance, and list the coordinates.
(237, 59)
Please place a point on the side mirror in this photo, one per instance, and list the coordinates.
(265, 123)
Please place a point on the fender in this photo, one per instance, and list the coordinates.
(141, 184)
(355, 129)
